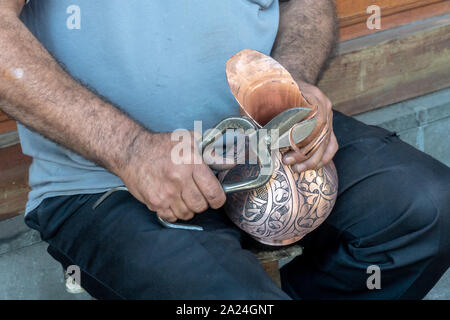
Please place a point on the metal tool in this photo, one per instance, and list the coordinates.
(276, 134)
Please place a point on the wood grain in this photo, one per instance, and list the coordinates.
(354, 11)
(390, 66)
(402, 18)
(273, 271)
(9, 139)
(13, 181)
(3, 116)
(7, 126)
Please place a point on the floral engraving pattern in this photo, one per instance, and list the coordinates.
(285, 209)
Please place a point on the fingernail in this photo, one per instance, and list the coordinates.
(289, 160)
(299, 168)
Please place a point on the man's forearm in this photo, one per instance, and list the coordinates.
(306, 37)
(36, 91)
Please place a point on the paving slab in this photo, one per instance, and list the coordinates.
(31, 273)
(423, 122)
(15, 234)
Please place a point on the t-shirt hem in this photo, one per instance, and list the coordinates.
(33, 204)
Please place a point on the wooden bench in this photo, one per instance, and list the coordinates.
(271, 258)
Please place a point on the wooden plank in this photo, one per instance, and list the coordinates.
(13, 181)
(9, 139)
(269, 254)
(7, 126)
(3, 116)
(390, 66)
(273, 271)
(354, 11)
(396, 20)
(6, 123)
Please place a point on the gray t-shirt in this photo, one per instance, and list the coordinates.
(163, 62)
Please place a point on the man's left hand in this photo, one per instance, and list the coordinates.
(328, 148)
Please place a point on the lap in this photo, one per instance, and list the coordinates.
(387, 190)
(379, 175)
(392, 210)
(123, 252)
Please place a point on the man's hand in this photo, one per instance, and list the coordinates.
(306, 36)
(51, 102)
(329, 146)
(173, 190)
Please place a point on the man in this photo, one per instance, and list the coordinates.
(160, 66)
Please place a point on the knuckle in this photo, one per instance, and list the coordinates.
(165, 215)
(213, 193)
(156, 202)
(312, 163)
(218, 201)
(200, 207)
(210, 196)
(175, 175)
(326, 159)
(195, 201)
(188, 215)
(170, 193)
(171, 218)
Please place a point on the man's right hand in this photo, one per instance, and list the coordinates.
(48, 100)
(174, 191)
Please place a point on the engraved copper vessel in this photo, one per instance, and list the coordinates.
(290, 205)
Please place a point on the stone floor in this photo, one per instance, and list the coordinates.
(28, 272)
(423, 122)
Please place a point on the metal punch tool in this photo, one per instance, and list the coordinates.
(276, 134)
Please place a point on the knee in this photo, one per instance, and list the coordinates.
(399, 205)
(425, 213)
(433, 215)
(423, 197)
(430, 191)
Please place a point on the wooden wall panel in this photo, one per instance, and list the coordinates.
(388, 22)
(354, 11)
(13, 181)
(3, 116)
(6, 124)
(390, 66)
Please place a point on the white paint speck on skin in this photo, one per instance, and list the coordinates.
(17, 73)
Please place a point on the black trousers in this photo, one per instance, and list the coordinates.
(393, 211)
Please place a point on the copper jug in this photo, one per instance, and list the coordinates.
(290, 205)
